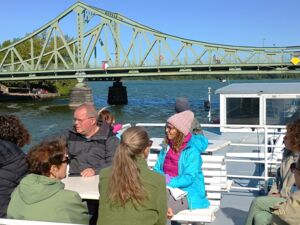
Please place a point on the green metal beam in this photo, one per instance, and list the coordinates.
(100, 33)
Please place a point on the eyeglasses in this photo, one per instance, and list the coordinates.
(169, 127)
(81, 120)
(150, 143)
(294, 168)
(66, 160)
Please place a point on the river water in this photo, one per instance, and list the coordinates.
(148, 101)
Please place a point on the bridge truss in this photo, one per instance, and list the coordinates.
(100, 44)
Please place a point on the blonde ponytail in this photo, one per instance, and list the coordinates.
(125, 182)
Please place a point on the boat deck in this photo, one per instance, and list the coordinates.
(235, 204)
(234, 208)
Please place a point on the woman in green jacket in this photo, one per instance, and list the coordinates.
(130, 193)
(40, 195)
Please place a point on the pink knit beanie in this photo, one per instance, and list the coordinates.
(182, 121)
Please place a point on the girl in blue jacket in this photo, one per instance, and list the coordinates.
(180, 160)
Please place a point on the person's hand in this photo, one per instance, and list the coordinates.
(170, 213)
(168, 178)
(88, 172)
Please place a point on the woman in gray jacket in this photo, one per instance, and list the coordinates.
(288, 212)
(260, 209)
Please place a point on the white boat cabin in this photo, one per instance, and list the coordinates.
(258, 104)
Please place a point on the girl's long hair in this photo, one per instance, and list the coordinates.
(125, 182)
(107, 116)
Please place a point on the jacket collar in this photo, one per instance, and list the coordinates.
(141, 163)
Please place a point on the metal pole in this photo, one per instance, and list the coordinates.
(209, 112)
(266, 160)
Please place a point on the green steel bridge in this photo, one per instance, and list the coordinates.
(100, 44)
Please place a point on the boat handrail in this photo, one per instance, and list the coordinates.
(150, 124)
(219, 125)
(267, 131)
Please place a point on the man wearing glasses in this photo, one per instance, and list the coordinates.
(91, 146)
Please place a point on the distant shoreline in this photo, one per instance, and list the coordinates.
(22, 96)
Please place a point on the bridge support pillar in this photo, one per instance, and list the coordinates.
(80, 94)
(117, 94)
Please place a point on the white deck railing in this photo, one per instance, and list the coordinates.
(270, 160)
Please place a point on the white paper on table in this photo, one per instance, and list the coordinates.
(177, 193)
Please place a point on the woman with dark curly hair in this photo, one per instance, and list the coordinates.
(41, 195)
(260, 209)
(13, 167)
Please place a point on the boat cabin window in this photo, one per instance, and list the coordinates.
(242, 111)
(282, 111)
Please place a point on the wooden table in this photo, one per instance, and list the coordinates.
(215, 145)
(4, 221)
(87, 187)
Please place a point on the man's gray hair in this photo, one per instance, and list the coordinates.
(90, 109)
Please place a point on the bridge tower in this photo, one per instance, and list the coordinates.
(81, 93)
(117, 94)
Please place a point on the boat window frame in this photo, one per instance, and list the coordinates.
(244, 96)
(275, 96)
(262, 107)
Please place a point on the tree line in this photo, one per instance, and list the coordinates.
(24, 49)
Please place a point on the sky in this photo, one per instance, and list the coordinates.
(256, 23)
